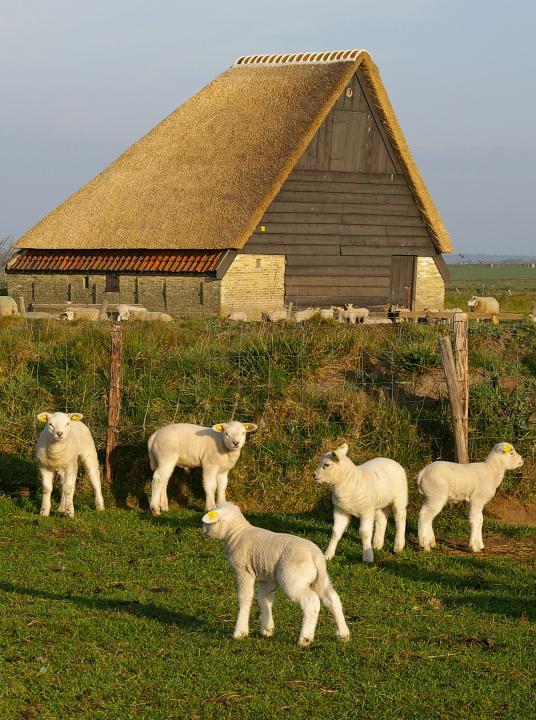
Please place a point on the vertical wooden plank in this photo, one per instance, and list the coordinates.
(445, 347)
(321, 146)
(461, 362)
(339, 142)
(114, 399)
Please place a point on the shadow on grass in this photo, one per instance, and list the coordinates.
(145, 611)
(480, 584)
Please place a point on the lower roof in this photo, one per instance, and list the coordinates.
(131, 261)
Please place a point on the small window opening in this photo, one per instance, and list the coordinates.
(70, 292)
(259, 264)
(112, 282)
(86, 282)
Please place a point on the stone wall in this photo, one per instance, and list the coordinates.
(253, 284)
(184, 296)
(429, 285)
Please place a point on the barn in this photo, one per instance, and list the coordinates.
(285, 179)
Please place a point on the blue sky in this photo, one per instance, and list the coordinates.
(81, 81)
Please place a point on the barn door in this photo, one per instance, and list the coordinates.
(402, 280)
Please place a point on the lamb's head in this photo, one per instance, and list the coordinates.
(67, 315)
(330, 466)
(216, 522)
(472, 301)
(58, 424)
(234, 433)
(506, 454)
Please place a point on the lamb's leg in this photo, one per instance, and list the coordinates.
(91, 463)
(340, 523)
(427, 514)
(332, 601)
(160, 480)
(47, 481)
(222, 480)
(366, 526)
(265, 598)
(210, 483)
(380, 523)
(310, 605)
(399, 511)
(246, 587)
(61, 475)
(69, 481)
(476, 519)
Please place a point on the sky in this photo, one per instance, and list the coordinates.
(81, 81)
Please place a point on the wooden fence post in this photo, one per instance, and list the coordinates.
(114, 399)
(445, 347)
(461, 362)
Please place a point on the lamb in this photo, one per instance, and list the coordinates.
(275, 315)
(38, 315)
(8, 306)
(216, 450)
(126, 312)
(483, 304)
(352, 315)
(77, 313)
(327, 313)
(272, 559)
(475, 483)
(237, 316)
(62, 442)
(364, 491)
(303, 315)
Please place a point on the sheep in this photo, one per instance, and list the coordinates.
(275, 315)
(272, 559)
(216, 450)
(125, 312)
(304, 315)
(8, 306)
(237, 316)
(352, 315)
(62, 442)
(327, 313)
(76, 313)
(475, 483)
(38, 315)
(364, 491)
(483, 304)
(129, 312)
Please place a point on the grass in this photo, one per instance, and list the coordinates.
(118, 615)
(513, 285)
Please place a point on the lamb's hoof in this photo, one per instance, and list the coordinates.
(476, 548)
(155, 512)
(398, 548)
(377, 546)
(240, 635)
(304, 642)
(343, 638)
(44, 513)
(99, 508)
(329, 556)
(368, 557)
(426, 547)
(267, 633)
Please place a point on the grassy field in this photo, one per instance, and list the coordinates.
(118, 615)
(513, 285)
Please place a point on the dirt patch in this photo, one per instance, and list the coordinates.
(496, 544)
(511, 510)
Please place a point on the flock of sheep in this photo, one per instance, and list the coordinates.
(260, 556)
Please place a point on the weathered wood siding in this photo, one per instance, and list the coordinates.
(343, 212)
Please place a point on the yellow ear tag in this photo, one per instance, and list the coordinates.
(507, 448)
(213, 514)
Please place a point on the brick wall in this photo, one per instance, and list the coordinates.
(254, 284)
(184, 296)
(429, 285)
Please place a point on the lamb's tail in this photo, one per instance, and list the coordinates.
(152, 459)
(321, 583)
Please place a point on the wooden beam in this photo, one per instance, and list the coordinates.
(447, 358)
(114, 399)
(461, 362)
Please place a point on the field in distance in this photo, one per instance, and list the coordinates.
(513, 285)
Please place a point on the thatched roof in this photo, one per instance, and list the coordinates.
(203, 178)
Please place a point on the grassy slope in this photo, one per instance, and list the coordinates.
(118, 615)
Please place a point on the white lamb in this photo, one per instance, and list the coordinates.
(8, 306)
(304, 315)
(237, 316)
(216, 450)
(483, 304)
(273, 559)
(327, 313)
(275, 315)
(62, 442)
(364, 491)
(81, 314)
(475, 483)
(127, 312)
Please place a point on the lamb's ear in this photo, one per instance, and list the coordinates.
(211, 517)
(250, 427)
(340, 452)
(506, 448)
(76, 416)
(43, 417)
(218, 427)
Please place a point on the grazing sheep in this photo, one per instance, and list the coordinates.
(483, 304)
(77, 313)
(273, 559)
(237, 316)
(275, 315)
(62, 442)
(327, 313)
(8, 306)
(216, 450)
(304, 315)
(475, 483)
(364, 491)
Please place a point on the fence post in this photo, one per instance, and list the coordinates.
(447, 358)
(461, 362)
(114, 399)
